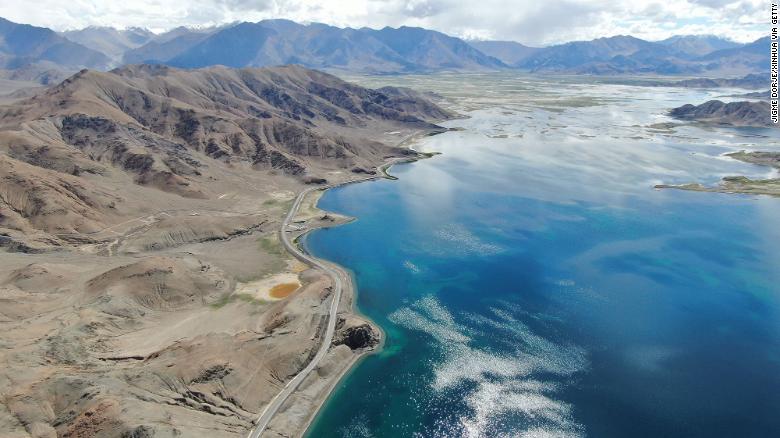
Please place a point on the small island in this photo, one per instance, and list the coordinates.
(741, 184)
(745, 113)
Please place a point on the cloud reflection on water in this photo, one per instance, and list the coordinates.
(506, 383)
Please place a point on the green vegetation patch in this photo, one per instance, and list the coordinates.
(247, 298)
(232, 298)
(221, 302)
(272, 246)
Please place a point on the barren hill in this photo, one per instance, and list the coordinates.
(732, 113)
(173, 130)
(139, 256)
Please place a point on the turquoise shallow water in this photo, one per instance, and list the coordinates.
(532, 283)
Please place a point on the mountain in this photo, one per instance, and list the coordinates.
(509, 52)
(629, 55)
(430, 50)
(160, 51)
(109, 41)
(167, 45)
(22, 44)
(750, 57)
(388, 50)
(733, 113)
(698, 45)
(618, 50)
(165, 127)
(182, 30)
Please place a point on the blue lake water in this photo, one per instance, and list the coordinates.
(531, 282)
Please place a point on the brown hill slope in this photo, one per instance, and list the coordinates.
(139, 245)
(732, 113)
(176, 130)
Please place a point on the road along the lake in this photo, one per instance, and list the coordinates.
(336, 276)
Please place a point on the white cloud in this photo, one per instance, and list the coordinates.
(530, 22)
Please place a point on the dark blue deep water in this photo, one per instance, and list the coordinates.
(531, 282)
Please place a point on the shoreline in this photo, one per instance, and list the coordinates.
(345, 305)
(740, 184)
(350, 365)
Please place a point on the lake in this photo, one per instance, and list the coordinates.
(531, 282)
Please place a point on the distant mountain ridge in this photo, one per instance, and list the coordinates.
(167, 45)
(372, 51)
(413, 50)
(387, 50)
(112, 42)
(23, 44)
(509, 52)
(578, 53)
(698, 45)
(626, 54)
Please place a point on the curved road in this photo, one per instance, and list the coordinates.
(265, 417)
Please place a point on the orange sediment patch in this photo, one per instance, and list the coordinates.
(282, 290)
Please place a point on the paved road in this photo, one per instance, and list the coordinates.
(265, 417)
(276, 403)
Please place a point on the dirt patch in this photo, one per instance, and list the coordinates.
(283, 290)
(272, 287)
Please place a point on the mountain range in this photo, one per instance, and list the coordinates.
(376, 51)
(275, 42)
(626, 54)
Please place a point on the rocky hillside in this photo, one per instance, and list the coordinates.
(171, 130)
(732, 113)
(140, 264)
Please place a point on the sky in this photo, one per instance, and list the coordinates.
(533, 22)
